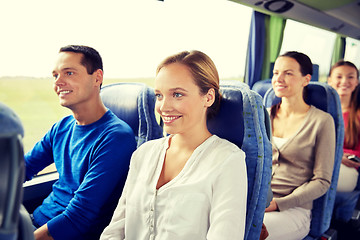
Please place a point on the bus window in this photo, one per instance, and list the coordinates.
(314, 42)
(221, 34)
(132, 37)
(352, 51)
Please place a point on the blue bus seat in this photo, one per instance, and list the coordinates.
(346, 202)
(325, 98)
(262, 86)
(131, 102)
(241, 120)
(13, 224)
(134, 103)
(315, 75)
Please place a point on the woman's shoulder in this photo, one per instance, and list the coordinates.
(153, 143)
(225, 154)
(320, 114)
(321, 118)
(144, 153)
(222, 145)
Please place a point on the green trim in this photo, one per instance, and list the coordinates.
(339, 49)
(274, 36)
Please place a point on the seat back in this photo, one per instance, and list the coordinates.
(347, 202)
(12, 173)
(241, 120)
(11, 178)
(325, 98)
(133, 103)
(262, 86)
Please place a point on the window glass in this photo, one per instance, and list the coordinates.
(316, 43)
(132, 37)
(352, 51)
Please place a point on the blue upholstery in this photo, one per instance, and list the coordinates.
(12, 173)
(315, 75)
(346, 202)
(133, 103)
(241, 120)
(26, 228)
(10, 122)
(325, 98)
(262, 86)
(11, 176)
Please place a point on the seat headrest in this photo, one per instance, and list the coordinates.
(133, 103)
(10, 122)
(316, 96)
(12, 174)
(262, 86)
(122, 100)
(229, 121)
(357, 90)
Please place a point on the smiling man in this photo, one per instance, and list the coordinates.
(91, 149)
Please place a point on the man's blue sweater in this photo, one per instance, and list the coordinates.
(92, 161)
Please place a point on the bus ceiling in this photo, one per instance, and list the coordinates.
(339, 16)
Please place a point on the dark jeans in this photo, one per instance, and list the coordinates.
(35, 225)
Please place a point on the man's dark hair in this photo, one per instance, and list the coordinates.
(91, 59)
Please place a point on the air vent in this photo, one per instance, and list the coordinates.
(278, 6)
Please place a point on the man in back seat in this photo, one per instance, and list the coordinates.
(91, 149)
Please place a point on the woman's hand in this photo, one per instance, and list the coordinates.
(272, 207)
(349, 163)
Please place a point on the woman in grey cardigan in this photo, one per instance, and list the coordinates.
(303, 150)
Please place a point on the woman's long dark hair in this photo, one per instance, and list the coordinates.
(306, 67)
(352, 130)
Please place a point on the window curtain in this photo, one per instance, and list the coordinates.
(274, 32)
(265, 39)
(255, 50)
(339, 49)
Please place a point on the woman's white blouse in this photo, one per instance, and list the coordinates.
(207, 200)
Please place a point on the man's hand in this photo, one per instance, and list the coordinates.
(42, 233)
(272, 207)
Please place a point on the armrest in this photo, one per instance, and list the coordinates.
(37, 189)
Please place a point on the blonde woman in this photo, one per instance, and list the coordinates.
(190, 184)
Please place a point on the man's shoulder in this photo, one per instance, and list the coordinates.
(114, 124)
(113, 131)
(64, 123)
